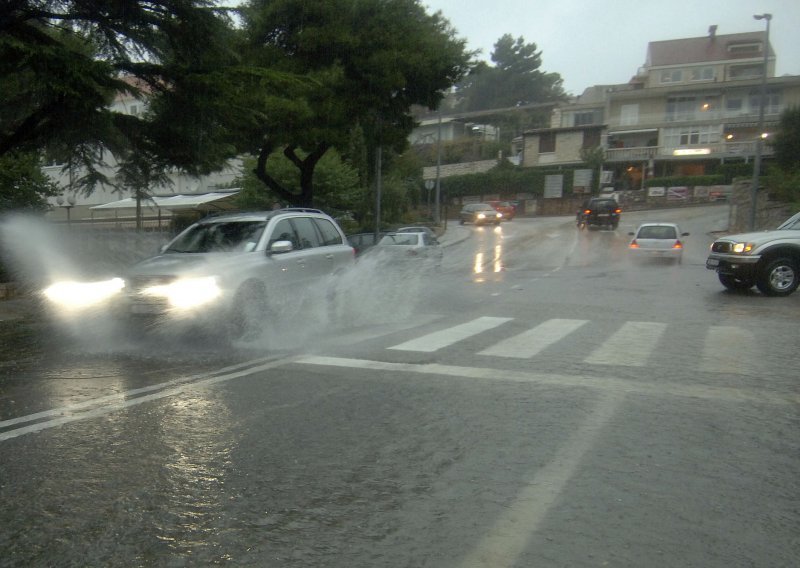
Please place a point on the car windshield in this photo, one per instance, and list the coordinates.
(231, 236)
(400, 239)
(657, 232)
(792, 224)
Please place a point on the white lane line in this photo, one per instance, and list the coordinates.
(120, 404)
(628, 386)
(509, 537)
(729, 350)
(532, 342)
(630, 346)
(446, 337)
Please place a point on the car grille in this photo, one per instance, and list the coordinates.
(722, 246)
(139, 283)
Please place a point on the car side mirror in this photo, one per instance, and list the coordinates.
(280, 247)
(684, 234)
(631, 234)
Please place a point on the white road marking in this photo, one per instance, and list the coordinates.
(630, 346)
(729, 350)
(109, 404)
(446, 337)
(533, 341)
(511, 533)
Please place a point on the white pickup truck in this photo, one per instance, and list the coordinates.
(769, 260)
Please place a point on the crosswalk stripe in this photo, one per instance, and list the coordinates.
(727, 349)
(630, 346)
(446, 337)
(531, 342)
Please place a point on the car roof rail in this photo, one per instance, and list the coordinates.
(300, 210)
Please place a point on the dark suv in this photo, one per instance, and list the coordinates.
(599, 212)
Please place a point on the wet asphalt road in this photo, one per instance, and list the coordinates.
(540, 401)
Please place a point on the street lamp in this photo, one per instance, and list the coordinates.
(759, 138)
(69, 204)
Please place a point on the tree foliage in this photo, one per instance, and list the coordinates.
(23, 186)
(515, 79)
(368, 62)
(784, 178)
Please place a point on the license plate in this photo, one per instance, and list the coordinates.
(712, 262)
(603, 215)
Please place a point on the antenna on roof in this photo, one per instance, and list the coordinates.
(712, 31)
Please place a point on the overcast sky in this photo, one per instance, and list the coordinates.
(595, 42)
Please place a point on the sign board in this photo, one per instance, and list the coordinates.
(429, 184)
(553, 186)
(679, 193)
(656, 191)
(582, 178)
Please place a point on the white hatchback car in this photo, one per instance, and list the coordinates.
(658, 240)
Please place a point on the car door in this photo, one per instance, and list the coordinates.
(336, 253)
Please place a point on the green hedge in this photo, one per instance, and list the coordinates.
(506, 181)
(687, 181)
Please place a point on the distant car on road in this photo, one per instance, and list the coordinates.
(769, 260)
(480, 214)
(508, 210)
(419, 229)
(599, 212)
(657, 240)
(414, 247)
(362, 242)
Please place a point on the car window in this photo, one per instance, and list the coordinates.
(307, 233)
(656, 232)
(330, 236)
(400, 239)
(284, 231)
(228, 236)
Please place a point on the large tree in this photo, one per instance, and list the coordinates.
(515, 79)
(366, 61)
(784, 178)
(62, 62)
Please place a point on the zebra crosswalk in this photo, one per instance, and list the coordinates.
(720, 349)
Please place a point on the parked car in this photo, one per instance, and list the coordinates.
(420, 229)
(508, 210)
(657, 240)
(769, 260)
(232, 268)
(414, 247)
(361, 242)
(599, 212)
(480, 214)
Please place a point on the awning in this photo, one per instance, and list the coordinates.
(216, 201)
(641, 131)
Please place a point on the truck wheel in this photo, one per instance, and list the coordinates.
(779, 277)
(732, 283)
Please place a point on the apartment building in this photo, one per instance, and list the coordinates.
(694, 103)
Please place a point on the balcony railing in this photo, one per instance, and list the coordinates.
(718, 150)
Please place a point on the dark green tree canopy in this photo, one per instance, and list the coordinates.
(515, 79)
(786, 141)
(369, 61)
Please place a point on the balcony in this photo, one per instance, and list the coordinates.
(718, 151)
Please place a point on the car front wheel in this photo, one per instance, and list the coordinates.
(733, 283)
(249, 312)
(779, 277)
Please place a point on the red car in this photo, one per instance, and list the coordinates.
(506, 208)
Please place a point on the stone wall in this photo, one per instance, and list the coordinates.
(769, 214)
(449, 170)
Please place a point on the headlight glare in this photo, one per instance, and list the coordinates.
(187, 292)
(742, 247)
(78, 295)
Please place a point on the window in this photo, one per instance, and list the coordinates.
(681, 108)
(583, 118)
(591, 139)
(306, 232)
(672, 76)
(734, 104)
(284, 232)
(547, 142)
(745, 71)
(744, 48)
(330, 236)
(702, 74)
(691, 136)
(772, 101)
(629, 115)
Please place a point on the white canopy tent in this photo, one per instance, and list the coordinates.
(215, 201)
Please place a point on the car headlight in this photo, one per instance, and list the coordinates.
(79, 295)
(481, 216)
(187, 292)
(740, 248)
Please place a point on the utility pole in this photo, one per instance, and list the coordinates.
(760, 132)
